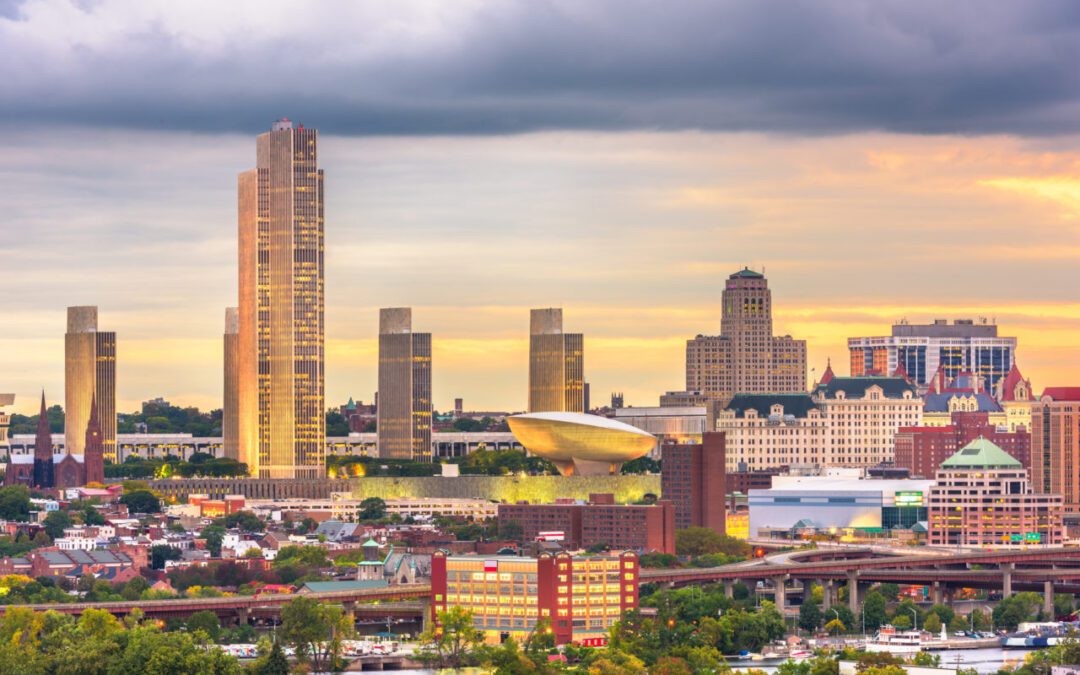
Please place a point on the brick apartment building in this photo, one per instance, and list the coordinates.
(922, 449)
(598, 522)
(1055, 445)
(693, 478)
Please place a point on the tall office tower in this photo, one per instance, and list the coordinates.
(89, 375)
(1055, 445)
(404, 414)
(282, 423)
(230, 413)
(556, 364)
(922, 350)
(746, 358)
(693, 477)
(5, 421)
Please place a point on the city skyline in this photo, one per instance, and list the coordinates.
(620, 204)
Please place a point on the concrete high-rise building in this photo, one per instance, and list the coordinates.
(692, 476)
(746, 358)
(404, 413)
(281, 423)
(89, 376)
(1055, 445)
(922, 350)
(230, 411)
(556, 364)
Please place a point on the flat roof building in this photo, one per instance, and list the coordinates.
(580, 598)
(692, 476)
(89, 377)
(404, 409)
(556, 364)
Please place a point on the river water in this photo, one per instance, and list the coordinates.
(988, 660)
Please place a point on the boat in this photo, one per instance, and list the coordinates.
(1037, 635)
(893, 641)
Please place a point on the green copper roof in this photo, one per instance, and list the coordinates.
(370, 542)
(981, 454)
(747, 273)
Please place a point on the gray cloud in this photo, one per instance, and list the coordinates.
(821, 67)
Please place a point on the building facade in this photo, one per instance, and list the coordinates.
(598, 522)
(746, 357)
(47, 469)
(579, 598)
(982, 497)
(5, 421)
(668, 423)
(404, 411)
(230, 411)
(765, 431)
(922, 450)
(1055, 445)
(864, 414)
(692, 477)
(282, 423)
(556, 364)
(963, 345)
(89, 375)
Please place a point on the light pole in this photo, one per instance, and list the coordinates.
(915, 615)
(834, 611)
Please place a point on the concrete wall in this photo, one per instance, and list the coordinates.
(533, 489)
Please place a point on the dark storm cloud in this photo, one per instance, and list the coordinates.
(796, 67)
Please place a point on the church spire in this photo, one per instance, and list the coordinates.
(93, 449)
(43, 450)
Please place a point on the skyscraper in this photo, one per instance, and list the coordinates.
(230, 413)
(89, 375)
(746, 358)
(281, 426)
(404, 413)
(556, 364)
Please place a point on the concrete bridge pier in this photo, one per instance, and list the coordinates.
(242, 616)
(350, 612)
(853, 591)
(780, 591)
(937, 595)
(1006, 580)
(1048, 600)
(827, 593)
(729, 588)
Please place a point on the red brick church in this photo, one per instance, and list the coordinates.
(45, 469)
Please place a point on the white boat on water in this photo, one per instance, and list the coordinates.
(893, 641)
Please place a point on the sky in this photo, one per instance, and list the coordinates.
(618, 158)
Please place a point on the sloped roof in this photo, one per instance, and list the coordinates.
(828, 375)
(1063, 393)
(934, 402)
(798, 405)
(747, 273)
(1008, 386)
(855, 387)
(352, 585)
(981, 454)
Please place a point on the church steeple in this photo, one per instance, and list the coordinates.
(94, 450)
(43, 450)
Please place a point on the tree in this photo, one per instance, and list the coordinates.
(162, 552)
(14, 503)
(510, 530)
(134, 588)
(695, 541)
(835, 626)
(641, 465)
(207, 622)
(450, 642)
(372, 508)
(873, 610)
(302, 556)
(889, 591)
(1016, 609)
(932, 624)
(315, 631)
(91, 516)
(809, 615)
(246, 521)
(56, 522)
(275, 664)
(213, 534)
(141, 501)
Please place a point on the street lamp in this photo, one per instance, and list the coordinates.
(915, 614)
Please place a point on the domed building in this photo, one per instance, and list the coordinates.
(579, 444)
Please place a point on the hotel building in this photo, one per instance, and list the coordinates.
(1055, 444)
(281, 418)
(921, 350)
(556, 364)
(982, 498)
(863, 415)
(579, 598)
(763, 431)
(404, 413)
(746, 357)
(89, 377)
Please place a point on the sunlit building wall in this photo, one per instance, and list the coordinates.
(89, 374)
(230, 430)
(281, 422)
(404, 413)
(556, 364)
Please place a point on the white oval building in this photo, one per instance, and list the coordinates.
(580, 444)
